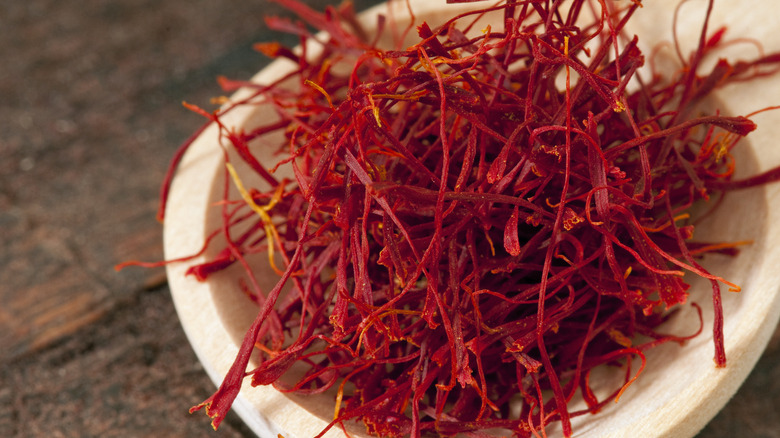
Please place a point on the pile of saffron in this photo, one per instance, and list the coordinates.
(478, 220)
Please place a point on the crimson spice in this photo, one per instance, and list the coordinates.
(476, 222)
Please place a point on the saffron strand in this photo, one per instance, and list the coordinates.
(477, 220)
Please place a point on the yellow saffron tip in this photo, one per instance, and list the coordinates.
(219, 100)
(270, 230)
(321, 90)
(374, 110)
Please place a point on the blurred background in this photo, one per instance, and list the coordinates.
(90, 115)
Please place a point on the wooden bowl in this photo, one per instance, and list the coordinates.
(679, 391)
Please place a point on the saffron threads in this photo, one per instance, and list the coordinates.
(476, 221)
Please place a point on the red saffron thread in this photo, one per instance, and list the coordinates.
(466, 235)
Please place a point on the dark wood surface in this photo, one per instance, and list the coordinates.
(90, 114)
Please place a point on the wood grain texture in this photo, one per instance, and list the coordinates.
(89, 115)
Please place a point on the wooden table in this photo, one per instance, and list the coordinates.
(89, 117)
